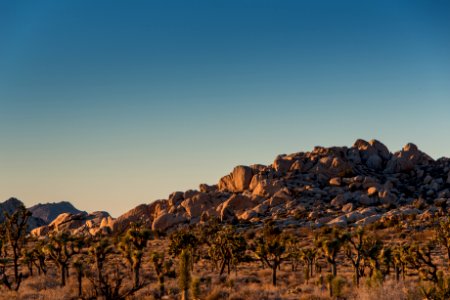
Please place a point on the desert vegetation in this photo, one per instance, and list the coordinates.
(215, 260)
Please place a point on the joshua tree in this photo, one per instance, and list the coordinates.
(79, 267)
(132, 247)
(270, 248)
(99, 250)
(354, 251)
(400, 260)
(3, 241)
(439, 290)
(107, 284)
(227, 248)
(443, 236)
(163, 268)
(182, 240)
(60, 248)
(330, 246)
(29, 258)
(15, 229)
(184, 276)
(39, 254)
(209, 229)
(420, 258)
(308, 257)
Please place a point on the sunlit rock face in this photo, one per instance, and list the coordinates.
(334, 186)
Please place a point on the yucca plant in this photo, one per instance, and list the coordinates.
(132, 248)
(61, 247)
(163, 268)
(227, 248)
(271, 248)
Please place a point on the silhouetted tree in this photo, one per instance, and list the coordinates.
(163, 268)
(443, 236)
(61, 247)
(228, 248)
(270, 248)
(15, 229)
(184, 274)
(132, 248)
(330, 245)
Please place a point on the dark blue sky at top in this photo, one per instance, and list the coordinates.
(111, 89)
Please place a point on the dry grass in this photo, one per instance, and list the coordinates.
(249, 282)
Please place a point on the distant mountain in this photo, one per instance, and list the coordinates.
(49, 211)
(11, 205)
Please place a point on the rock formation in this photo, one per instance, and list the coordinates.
(49, 211)
(11, 205)
(336, 186)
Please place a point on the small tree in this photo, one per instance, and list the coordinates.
(39, 254)
(308, 257)
(132, 247)
(354, 251)
(15, 229)
(163, 268)
(79, 267)
(443, 236)
(61, 247)
(400, 260)
(29, 259)
(182, 240)
(330, 245)
(99, 250)
(184, 276)
(270, 248)
(228, 248)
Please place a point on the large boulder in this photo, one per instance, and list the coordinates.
(167, 220)
(237, 181)
(282, 163)
(237, 202)
(265, 187)
(406, 159)
(199, 203)
(372, 153)
(143, 214)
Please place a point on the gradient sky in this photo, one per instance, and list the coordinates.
(109, 104)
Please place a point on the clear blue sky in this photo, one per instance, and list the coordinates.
(109, 104)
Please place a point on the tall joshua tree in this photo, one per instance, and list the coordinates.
(15, 229)
(61, 247)
(270, 248)
(184, 274)
(228, 248)
(163, 268)
(308, 257)
(132, 247)
(330, 245)
(443, 236)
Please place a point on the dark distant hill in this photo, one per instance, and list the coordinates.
(11, 205)
(49, 211)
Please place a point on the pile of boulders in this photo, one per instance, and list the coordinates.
(336, 186)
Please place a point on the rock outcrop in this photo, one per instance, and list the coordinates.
(11, 205)
(49, 211)
(335, 186)
(80, 223)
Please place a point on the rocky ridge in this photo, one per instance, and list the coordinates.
(11, 205)
(50, 211)
(338, 186)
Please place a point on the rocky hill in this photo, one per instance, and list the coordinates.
(339, 186)
(49, 211)
(11, 205)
